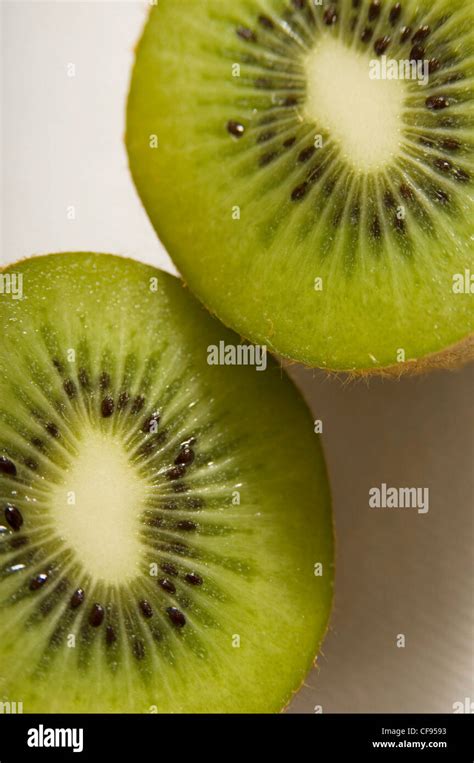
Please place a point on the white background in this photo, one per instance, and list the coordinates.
(397, 572)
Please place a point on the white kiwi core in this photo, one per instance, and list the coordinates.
(97, 507)
(363, 115)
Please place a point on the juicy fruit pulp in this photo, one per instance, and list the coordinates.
(161, 517)
(311, 200)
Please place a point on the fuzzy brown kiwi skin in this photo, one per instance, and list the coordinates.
(452, 358)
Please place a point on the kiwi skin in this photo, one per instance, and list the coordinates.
(451, 359)
(73, 279)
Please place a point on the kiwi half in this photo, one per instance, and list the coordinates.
(166, 538)
(314, 209)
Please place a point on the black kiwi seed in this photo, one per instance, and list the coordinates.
(167, 585)
(375, 228)
(289, 142)
(176, 472)
(405, 33)
(461, 175)
(407, 192)
(13, 517)
(267, 158)
(176, 617)
(374, 10)
(37, 443)
(186, 525)
(443, 165)
(155, 522)
(330, 15)
(107, 407)
(52, 429)
(193, 579)
(437, 102)
(417, 53)
(70, 389)
(170, 569)
(355, 3)
(104, 381)
(186, 456)
(96, 616)
(146, 609)
(433, 65)
(298, 4)
(421, 34)
(77, 598)
(299, 192)
(7, 466)
(306, 154)
(450, 144)
(290, 100)
(19, 541)
(138, 404)
(38, 582)
(235, 128)
(265, 22)
(366, 34)
(395, 13)
(246, 34)
(441, 196)
(381, 45)
(110, 636)
(58, 365)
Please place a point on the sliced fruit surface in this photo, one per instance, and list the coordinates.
(309, 168)
(165, 531)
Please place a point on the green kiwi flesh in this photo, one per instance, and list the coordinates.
(323, 213)
(165, 531)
